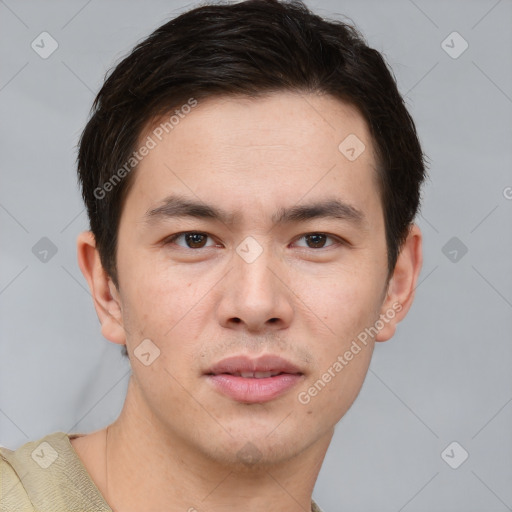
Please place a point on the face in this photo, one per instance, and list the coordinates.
(249, 232)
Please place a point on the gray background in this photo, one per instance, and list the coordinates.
(446, 375)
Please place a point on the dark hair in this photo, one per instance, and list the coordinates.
(250, 48)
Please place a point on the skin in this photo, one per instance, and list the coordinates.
(176, 444)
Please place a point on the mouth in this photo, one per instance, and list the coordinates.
(252, 375)
(254, 380)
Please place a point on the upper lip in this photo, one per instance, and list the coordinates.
(243, 363)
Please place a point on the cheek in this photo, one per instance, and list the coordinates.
(343, 349)
(168, 307)
(155, 288)
(347, 301)
(332, 390)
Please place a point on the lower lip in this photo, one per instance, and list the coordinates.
(252, 390)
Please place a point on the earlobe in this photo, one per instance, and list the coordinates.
(104, 293)
(402, 284)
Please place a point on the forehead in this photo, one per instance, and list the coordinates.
(265, 150)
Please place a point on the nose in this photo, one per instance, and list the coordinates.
(254, 296)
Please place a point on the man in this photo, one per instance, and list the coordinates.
(251, 176)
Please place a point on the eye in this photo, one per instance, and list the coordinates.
(192, 239)
(317, 240)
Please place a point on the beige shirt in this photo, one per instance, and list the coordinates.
(48, 476)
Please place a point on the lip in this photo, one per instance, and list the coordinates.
(243, 363)
(251, 389)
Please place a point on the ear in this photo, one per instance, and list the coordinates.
(402, 284)
(104, 293)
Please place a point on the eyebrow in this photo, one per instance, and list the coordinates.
(175, 206)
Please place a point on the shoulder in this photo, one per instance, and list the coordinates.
(39, 475)
(315, 507)
(13, 496)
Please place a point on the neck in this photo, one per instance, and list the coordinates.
(148, 468)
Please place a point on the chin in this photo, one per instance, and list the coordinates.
(250, 449)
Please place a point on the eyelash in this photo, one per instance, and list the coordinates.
(173, 238)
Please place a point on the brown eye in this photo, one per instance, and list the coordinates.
(316, 240)
(190, 240)
(196, 240)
